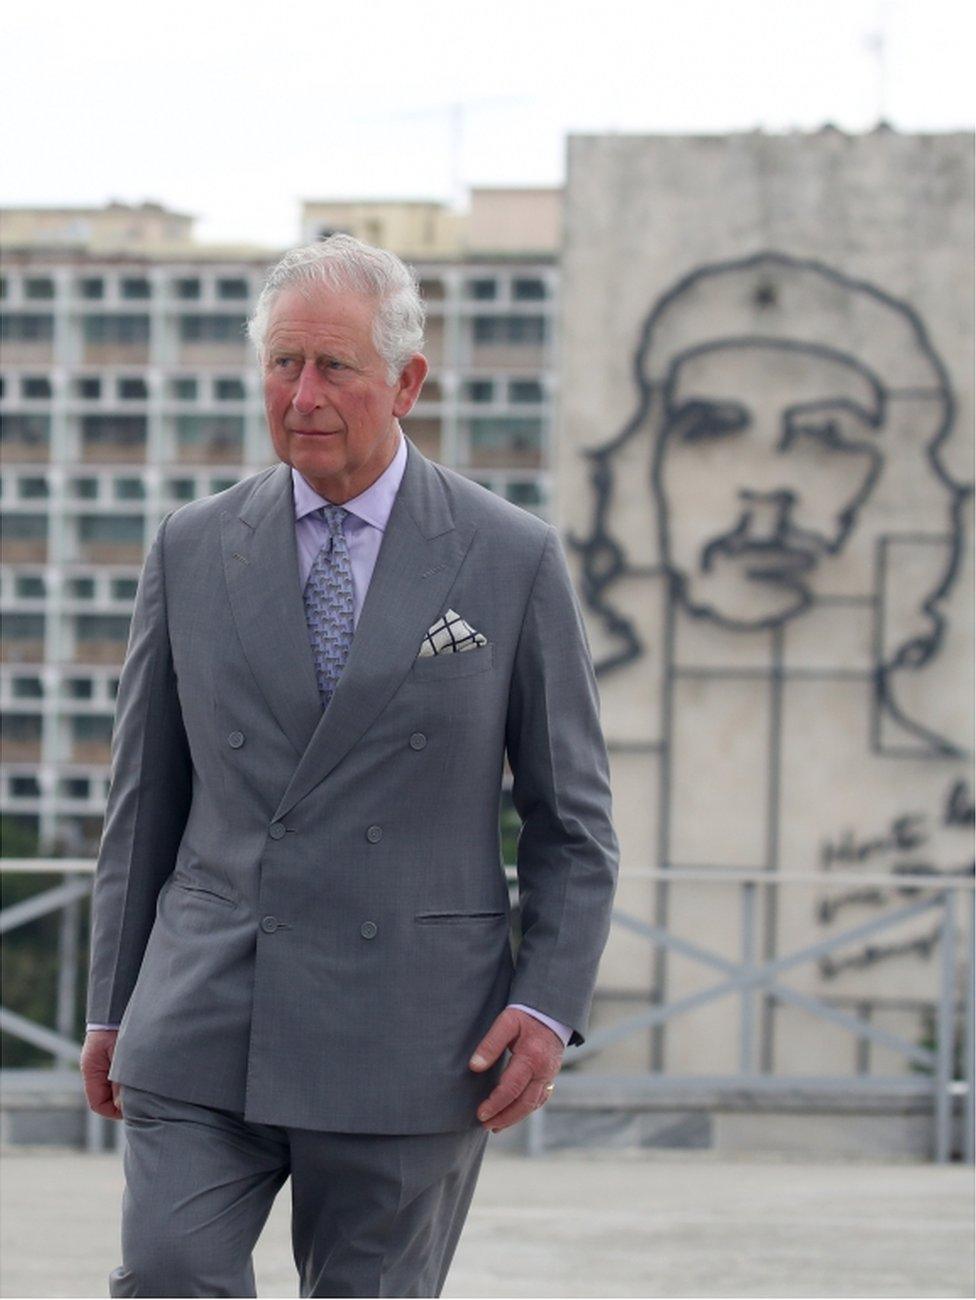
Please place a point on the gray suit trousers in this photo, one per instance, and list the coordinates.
(372, 1214)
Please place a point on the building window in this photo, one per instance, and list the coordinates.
(21, 726)
(24, 528)
(93, 726)
(75, 787)
(24, 787)
(212, 329)
(124, 588)
(130, 489)
(39, 287)
(23, 627)
(188, 289)
(433, 290)
(114, 430)
(35, 386)
(524, 390)
(229, 390)
(116, 529)
(116, 329)
(81, 588)
(483, 290)
(222, 432)
(133, 390)
(234, 288)
(528, 290)
(524, 493)
(509, 329)
(135, 287)
(89, 388)
(26, 327)
(3, 286)
(222, 484)
(479, 390)
(92, 288)
(182, 489)
(184, 390)
(25, 430)
(33, 487)
(28, 688)
(85, 488)
(30, 585)
(79, 688)
(102, 627)
(506, 435)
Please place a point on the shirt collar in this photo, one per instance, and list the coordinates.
(373, 505)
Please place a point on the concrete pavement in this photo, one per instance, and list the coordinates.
(613, 1224)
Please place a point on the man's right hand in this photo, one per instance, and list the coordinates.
(96, 1057)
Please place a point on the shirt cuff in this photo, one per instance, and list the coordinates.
(93, 1026)
(564, 1031)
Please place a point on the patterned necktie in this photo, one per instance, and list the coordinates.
(328, 604)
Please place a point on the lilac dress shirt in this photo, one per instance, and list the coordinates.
(363, 527)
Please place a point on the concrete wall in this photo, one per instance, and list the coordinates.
(514, 220)
(115, 226)
(411, 229)
(762, 476)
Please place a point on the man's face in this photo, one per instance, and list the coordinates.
(331, 408)
(766, 456)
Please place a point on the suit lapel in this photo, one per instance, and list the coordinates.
(419, 557)
(418, 560)
(261, 569)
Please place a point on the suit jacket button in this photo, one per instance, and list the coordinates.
(235, 739)
(269, 924)
(418, 740)
(374, 834)
(368, 929)
(276, 830)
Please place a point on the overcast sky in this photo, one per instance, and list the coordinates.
(236, 113)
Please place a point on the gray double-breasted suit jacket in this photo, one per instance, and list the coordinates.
(302, 915)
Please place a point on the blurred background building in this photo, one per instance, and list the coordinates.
(128, 387)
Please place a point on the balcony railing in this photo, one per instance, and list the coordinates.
(745, 979)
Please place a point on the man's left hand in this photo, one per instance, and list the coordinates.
(537, 1054)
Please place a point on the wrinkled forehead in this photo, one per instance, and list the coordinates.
(753, 374)
(326, 321)
(320, 307)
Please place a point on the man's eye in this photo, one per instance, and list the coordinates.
(332, 364)
(826, 431)
(697, 421)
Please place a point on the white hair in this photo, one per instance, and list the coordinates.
(343, 263)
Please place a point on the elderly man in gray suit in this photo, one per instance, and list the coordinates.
(301, 961)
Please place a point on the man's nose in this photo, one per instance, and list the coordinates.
(308, 392)
(768, 512)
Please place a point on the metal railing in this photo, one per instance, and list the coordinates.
(751, 980)
(67, 898)
(745, 978)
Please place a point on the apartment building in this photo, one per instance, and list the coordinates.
(127, 387)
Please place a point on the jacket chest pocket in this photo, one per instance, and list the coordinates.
(449, 666)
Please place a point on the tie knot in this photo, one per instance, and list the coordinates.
(333, 516)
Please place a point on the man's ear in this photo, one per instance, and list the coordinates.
(409, 384)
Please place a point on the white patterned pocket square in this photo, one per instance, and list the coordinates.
(449, 635)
